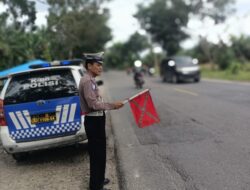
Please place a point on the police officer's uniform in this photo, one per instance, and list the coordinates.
(93, 107)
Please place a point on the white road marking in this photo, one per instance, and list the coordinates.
(186, 91)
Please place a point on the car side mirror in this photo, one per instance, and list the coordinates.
(99, 82)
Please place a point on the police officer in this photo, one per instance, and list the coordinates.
(93, 106)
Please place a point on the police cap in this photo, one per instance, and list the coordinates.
(93, 57)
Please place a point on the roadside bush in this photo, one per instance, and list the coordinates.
(234, 68)
(223, 56)
(246, 67)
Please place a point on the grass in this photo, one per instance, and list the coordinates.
(241, 74)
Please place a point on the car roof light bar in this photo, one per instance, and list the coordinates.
(57, 63)
(72, 62)
(42, 65)
(65, 62)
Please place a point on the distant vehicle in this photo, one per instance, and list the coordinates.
(179, 68)
(40, 108)
(138, 79)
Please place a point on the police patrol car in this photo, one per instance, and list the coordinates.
(40, 108)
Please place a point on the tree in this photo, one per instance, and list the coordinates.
(165, 20)
(74, 27)
(22, 13)
(137, 43)
(223, 55)
(241, 47)
(15, 24)
(122, 55)
(218, 10)
(114, 57)
(77, 26)
(202, 51)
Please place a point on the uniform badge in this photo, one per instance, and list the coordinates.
(93, 87)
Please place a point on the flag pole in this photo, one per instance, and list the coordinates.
(138, 94)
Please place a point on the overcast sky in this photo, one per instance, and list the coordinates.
(123, 24)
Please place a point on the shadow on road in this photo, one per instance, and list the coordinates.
(186, 82)
(62, 155)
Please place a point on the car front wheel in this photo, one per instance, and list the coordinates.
(174, 79)
(197, 79)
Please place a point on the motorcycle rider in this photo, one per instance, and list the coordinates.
(138, 78)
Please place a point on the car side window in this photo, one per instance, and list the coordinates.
(2, 83)
(80, 72)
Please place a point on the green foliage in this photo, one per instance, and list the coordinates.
(21, 12)
(136, 43)
(234, 68)
(227, 57)
(74, 27)
(202, 51)
(122, 55)
(246, 67)
(77, 26)
(17, 46)
(234, 72)
(114, 57)
(217, 10)
(149, 59)
(16, 29)
(164, 20)
(223, 56)
(241, 47)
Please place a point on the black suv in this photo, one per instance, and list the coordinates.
(179, 68)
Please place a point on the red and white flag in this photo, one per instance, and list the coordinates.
(143, 109)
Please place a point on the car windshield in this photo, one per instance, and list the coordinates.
(41, 85)
(183, 61)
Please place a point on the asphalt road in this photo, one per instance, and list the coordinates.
(201, 143)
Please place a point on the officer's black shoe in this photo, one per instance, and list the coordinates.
(106, 181)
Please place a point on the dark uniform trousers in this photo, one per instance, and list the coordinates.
(95, 131)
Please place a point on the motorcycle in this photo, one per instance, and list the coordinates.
(139, 80)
